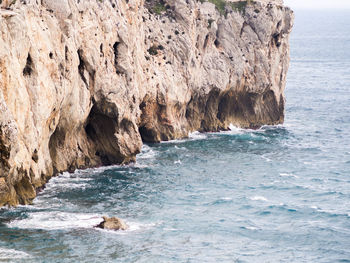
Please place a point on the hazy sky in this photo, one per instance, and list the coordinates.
(318, 4)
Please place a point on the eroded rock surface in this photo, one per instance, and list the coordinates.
(82, 83)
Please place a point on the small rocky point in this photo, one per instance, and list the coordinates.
(112, 223)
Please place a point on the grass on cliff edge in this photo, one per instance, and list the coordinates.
(157, 7)
(236, 6)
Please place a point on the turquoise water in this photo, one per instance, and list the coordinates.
(278, 194)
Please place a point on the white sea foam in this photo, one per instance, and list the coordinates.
(175, 141)
(258, 198)
(138, 165)
(57, 220)
(67, 181)
(266, 158)
(7, 254)
(197, 135)
(288, 175)
(146, 153)
(46, 203)
(180, 148)
(235, 129)
(132, 227)
(135, 226)
(170, 229)
(177, 162)
(79, 173)
(192, 136)
(98, 170)
(251, 228)
(62, 220)
(277, 126)
(77, 180)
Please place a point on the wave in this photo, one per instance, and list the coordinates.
(330, 213)
(288, 175)
(263, 129)
(266, 158)
(92, 171)
(259, 198)
(233, 130)
(133, 227)
(197, 135)
(68, 180)
(249, 228)
(56, 220)
(79, 179)
(146, 153)
(8, 254)
(192, 136)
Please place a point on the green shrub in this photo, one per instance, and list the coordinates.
(220, 5)
(159, 8)
(239, 6)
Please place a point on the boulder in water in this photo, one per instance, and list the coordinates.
(112, 223)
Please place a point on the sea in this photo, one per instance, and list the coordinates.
(276, 194)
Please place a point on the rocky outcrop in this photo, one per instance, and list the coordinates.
(83, 83)
(112, 223)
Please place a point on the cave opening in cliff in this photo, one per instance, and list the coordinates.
(277, 39)
(151, 112)
(116, 53)
(147, 134)
(81, 66)
(100, 130)
(28, 69)
(56, 143)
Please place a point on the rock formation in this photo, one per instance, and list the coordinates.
(112, 223)
(83, 83)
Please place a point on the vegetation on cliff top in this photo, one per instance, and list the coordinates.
(160, 6)
(157, 6)
(222, 5)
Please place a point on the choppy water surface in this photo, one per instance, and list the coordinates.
(278, 194)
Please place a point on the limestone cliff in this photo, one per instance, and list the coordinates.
(84, 82)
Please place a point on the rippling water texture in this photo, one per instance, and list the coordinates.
(278, 194)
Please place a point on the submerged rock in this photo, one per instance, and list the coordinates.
(112, 223)
(84, 83)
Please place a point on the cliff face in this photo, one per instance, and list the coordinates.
(83, 83)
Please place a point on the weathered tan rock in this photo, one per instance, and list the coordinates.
(112, 223)
(83, 82)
